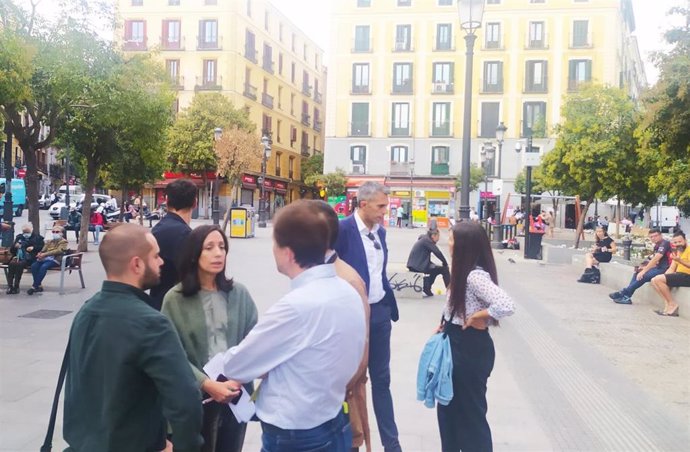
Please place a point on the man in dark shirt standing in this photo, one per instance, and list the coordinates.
(171, 232)
(420, 260)
(128, 373)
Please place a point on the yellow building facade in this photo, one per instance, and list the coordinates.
(250, 52)
(396, 94)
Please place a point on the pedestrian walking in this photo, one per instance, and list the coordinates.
(128, 377)
(400, 214)
(475, 303)
(24, 250)
(307, 346)
(420, 261)
(356, 395)
(362, 244)
(211, 313)
(171, 233)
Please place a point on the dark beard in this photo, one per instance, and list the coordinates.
(150, 279)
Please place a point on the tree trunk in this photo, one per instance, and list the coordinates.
(91, 174)
(31, 183)
(581, 223)
(618, 218)
(206, 192)
(140, 195)
(123, 198)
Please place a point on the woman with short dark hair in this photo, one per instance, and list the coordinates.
(211, 314)
(475, 302)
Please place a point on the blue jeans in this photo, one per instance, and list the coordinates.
(97, 228)
(40, 268)
(331, 436)
(635, 284)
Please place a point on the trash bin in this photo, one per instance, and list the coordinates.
(242, 222)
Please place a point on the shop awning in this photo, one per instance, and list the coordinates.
(164, 183)
(354, 182)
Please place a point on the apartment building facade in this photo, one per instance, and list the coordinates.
(396, 96)
(250, 52)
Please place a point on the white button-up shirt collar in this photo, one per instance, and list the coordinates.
(374, 259)
(309, 344)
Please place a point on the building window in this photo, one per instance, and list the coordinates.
(249, 8)
(135, 35)
(493, 2)
(360, 119)
(399, 154)
(137, 2)
(445, 2)
(210, 2)
(403, 38)
(279, 126)
(402, 78)
(489, 120)
(291, 168)
(363, 3)
(493, 77)
(278, 159)
(304, 52)
(250, 46)
(208, 34)
(268, 58)
(280, 63)
(360, 78)
(536, 36)
(533, 117)
(404, 2)
(210, 70)
(535, 77)
(280, 31)
(173, 2)
(581, 33)
(440, 119)
(293, 72)
(362, 38)
(358, 157)
(579, 71)
(173, 69)
(440, 157)
(443, 77)
(492, 39)
(280, 97)
(266, 20)
(293, 43)
(536, 1)
(400, 124)
(171, 35)
(444, 36)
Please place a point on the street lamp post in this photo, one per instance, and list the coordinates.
(215, 202)
(487, 154)
(528, 187)
(470, 13)
(266, 141)
(500, 136)
(8, 208)
(410, 224)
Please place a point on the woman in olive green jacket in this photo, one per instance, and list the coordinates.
(211, 314)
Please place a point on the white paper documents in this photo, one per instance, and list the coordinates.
(244, 409)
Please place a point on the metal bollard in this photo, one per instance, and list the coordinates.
(627, 245)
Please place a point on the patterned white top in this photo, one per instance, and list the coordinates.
(482, 293)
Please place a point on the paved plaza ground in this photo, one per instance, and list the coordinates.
(573, 371)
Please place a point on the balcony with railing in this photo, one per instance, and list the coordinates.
(251, 54)
(402, 46)
(439, 169)
(304, 150)
(399, 168)
(532, 87)
(317, 97)
(404, 87)
(578, 41)
(537, 44)
(177, 82)
(574, 85)
(250, 91)
(360, 129)
(441, 128)
(442, 88)
(203, 44)
(291, 174)
(361, 89)
(277, 171)
(318, 125)
(306, 119)
(492, 45)
(267, 100)
(203, 84)
(306, 89)
(135, 45)
(491, 87)
(268, 65)
(400, 129)
(166, 44)
(361, 46)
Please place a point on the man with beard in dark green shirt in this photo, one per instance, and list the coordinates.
(128, 372)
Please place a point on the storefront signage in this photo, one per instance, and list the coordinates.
(248, 181)
(281, 187)
(268, 185)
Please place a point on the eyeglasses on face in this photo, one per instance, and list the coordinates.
(57, 232)
(371, 237)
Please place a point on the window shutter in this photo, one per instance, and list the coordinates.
(588, 70)
(128, 30)
(499, 68)
(145, 38)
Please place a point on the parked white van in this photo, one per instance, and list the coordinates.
(74, 190)
(665, 218)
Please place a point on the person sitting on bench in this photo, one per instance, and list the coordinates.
(420, 260)
(677, 275)
(48, 258)
(602, 251)
(24, 250)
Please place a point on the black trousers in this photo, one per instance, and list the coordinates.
(221, 431)
(431, 275)
(15, 269)
(462, 424)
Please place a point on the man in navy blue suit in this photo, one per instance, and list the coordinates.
(362, 244)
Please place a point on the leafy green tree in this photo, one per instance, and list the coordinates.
(121, 126)
(476, 177)
(312, 165)
(664, 131)
(595, 152)
(334, 183)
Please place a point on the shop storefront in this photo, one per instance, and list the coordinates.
(281, 190)
(249, 184)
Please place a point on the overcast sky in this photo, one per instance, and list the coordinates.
(313, 16)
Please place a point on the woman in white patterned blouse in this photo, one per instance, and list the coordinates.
(475, 302)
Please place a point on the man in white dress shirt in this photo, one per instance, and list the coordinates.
(308, 345)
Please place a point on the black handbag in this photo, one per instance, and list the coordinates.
(48, 441)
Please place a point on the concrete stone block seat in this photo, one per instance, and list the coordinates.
(407, 284)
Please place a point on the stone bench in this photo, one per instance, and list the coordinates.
(407, 284)
(616, 275)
